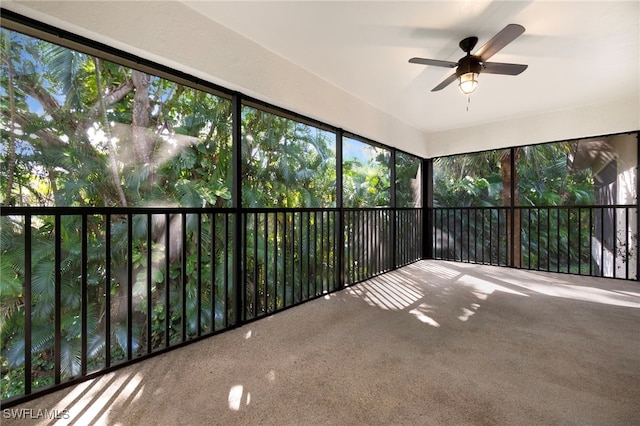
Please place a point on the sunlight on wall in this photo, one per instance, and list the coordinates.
(605, 262)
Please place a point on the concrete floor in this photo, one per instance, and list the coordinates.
(432, 343)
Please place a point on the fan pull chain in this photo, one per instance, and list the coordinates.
(468, 101)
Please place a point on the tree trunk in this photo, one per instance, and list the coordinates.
(11, 155)
(113, 165)
(509, 179)
(141, 118)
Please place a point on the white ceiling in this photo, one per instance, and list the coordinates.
(579, 53)
(346, 63)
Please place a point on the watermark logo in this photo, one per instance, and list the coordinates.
(35, 414)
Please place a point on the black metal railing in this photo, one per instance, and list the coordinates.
(585, 240)
(378, 240)
(94, 289)
(289, 256)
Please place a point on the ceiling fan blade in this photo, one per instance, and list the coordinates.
(447, 81)
(433, 62)
(500, 68)
(500, 40)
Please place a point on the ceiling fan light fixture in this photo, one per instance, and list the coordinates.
(468, 82)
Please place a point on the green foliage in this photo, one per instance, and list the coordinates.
(408, 180)
(286, 163)
(467, 180)
(366, 175)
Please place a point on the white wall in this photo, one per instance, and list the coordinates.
(579, 122)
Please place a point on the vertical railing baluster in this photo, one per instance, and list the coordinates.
(376, 243)
(579, 241)
(167, 280)
(149, 282)
(498, 210)
(366, 270)
(468, 235)
(254, 297)
(265, 296)
(307, 276)
(615, 242)
(457, 256)
(367, 244)
(626, 242)
(550, 237)
(290, 250)
(569, 239)
(400, 246)
(28, 304)
(301, 278)
(403, 221)
(558, 240)
(529, 237)
(602, 241)
(129, 286)
(57, 314)
(276, 247)
(348, 233)
(483, 243)
(107, 291)
(294, 262)
(357, 245)
(491, 244)
(314, 273)
(285, 257)
(213, 285)
(475, 235)
(183, 276)
(353, 243)
(84, 312)
(361, 245)
(538, 217)
(591, 255)
(225, 302)
(199, 274)
(322, 257)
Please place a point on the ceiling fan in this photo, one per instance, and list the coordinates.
(468, 67)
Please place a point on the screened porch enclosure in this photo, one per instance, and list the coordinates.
(144, 209)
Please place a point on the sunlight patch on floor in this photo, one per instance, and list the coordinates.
(420, 314)
(386, 293)
(467, 313)
(576, 292)
(441, 271)
(117, 392)
(483, 287)
(235, 397)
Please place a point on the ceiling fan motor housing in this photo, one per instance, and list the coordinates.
(468, 64)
